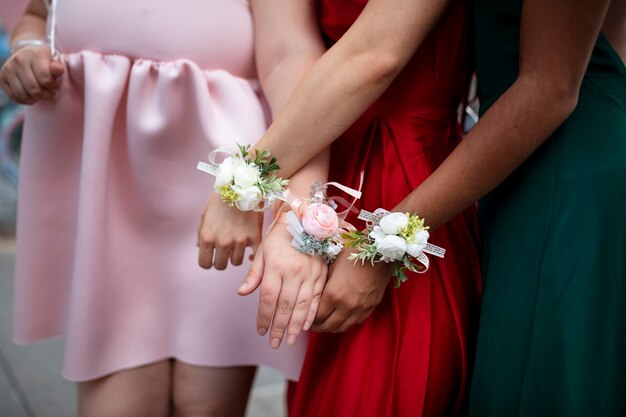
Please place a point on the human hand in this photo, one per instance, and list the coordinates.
(30, 75)
(225, 232)
(351, 294)
(290, 287)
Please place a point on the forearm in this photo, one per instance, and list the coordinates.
(278, 85)
(556, 42)
(514, 127)
(32, 24)
(285, 75)
(349, 78)
(309, 122)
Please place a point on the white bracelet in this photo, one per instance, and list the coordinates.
(22, 43)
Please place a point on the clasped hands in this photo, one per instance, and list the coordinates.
(296, 291)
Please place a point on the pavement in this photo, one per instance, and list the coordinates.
(31, 384)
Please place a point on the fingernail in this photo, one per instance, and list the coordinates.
(307, 325)
(243, 286)
(291, 340)
(275, 343)
(261, 331)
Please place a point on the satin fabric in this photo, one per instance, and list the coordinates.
(110, 198)
(414, 355)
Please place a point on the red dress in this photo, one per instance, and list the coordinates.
(413, 356)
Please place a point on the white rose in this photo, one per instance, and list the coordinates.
(248, 198)
(377, 233)
(246, 176)
(392, 223)
(391, 247)
(226, 171)
(418, 243)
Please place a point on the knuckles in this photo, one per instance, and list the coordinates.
(302, 305)
(284, 307)
(267, 299)
(206, 237)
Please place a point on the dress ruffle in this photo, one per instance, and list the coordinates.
(110, 200)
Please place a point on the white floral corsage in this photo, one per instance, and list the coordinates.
(400, 238)
(316, 226)
(246, 179)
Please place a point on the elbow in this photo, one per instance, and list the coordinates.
(379, 67)
(559, 94)
(564, 95)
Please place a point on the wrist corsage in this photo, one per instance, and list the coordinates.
(316, 226)
(246, 179)
(400, 238)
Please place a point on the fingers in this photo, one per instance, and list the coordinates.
(57, 69)
(27, 77)
(205, 244)
(224, 233)
(237, 253)
(199, 231)
(254, 277)
(365, 315)
(268, 296)
(31, 85)
(299, 313)
(18, 92)
(348, 322)
(42, 71)
(216, 254)
(325, 308)
(333, 322)
(8, 90)
(284, 308)
(222, 253)
(315, 302)
(205, 255)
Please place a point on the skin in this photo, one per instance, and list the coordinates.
(31, 75)
(354, 72)
(288, 42)
(167, 386)
(557, 40)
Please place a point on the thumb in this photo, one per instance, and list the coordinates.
(254, 277)
(56, 69)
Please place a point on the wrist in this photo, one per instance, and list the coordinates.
(24, 43)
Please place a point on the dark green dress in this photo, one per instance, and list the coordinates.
(552, 338)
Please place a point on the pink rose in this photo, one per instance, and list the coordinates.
(320, 221)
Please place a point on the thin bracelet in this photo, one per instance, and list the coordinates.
(22, 43)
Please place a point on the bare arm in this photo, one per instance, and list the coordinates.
(287, 43)
(32, 24)
(556, 43)
(557, 39)
(349, 78)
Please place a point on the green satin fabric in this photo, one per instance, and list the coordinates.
(552, 338)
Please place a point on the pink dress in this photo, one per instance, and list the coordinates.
(110, 197)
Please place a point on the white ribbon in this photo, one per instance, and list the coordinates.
(373, 219)
(211, 167)
(52, 29)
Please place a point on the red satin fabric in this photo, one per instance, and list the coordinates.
(413, 356)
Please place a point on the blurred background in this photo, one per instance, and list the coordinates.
(10, 127)
(31, 384)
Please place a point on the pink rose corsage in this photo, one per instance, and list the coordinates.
(316, 226)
